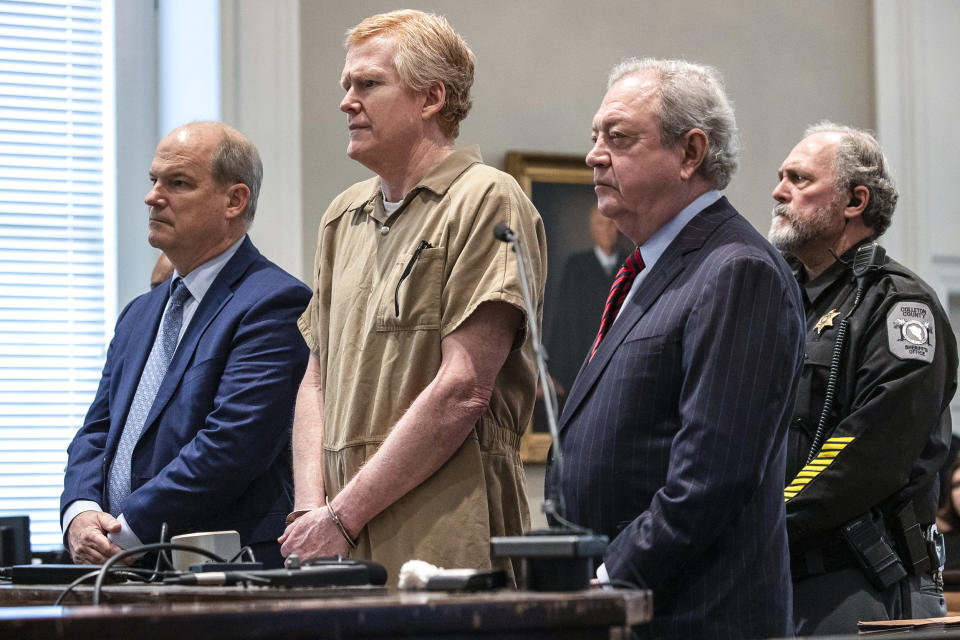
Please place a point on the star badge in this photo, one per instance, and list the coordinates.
(826, 321)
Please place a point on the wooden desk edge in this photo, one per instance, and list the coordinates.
(361, 615)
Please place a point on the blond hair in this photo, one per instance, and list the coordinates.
(428, 51)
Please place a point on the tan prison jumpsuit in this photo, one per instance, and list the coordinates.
(377, 335)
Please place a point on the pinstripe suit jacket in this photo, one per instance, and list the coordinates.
(674, 435)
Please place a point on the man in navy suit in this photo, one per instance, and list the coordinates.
(198, 439)
(673, 435)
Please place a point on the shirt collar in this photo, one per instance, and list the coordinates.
(437, 180)
(199, 280)
(653, 248)
(450, 168)
(815, 288)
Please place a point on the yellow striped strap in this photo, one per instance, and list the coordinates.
(818, 465)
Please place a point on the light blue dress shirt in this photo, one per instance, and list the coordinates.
(197, 282)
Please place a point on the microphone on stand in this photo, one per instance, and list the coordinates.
(556, 558)
(553, 507)
(503, 233)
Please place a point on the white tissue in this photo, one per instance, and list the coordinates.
(415, 573)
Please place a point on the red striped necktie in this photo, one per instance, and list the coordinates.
(618, 292)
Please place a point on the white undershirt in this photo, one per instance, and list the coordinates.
(391, 207)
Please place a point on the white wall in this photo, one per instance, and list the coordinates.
(188, 67)
(167, 74)
(261, 98)
(136, 111)
(918, 90)
(183, 60)
(541, 67)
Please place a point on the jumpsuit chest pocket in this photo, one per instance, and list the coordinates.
(410, 300)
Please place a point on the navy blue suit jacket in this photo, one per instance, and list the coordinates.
(674, 435)
(214, 452)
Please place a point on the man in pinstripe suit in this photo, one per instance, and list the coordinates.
(673, 435)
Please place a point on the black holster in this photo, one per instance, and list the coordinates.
(913, 544)
(873, 551)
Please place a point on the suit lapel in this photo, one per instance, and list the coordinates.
(649, 290)
(670, 265)
(213, 302)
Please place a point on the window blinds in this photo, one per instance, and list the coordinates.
(52, 281)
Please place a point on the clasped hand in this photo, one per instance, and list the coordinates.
(313, 535)
(87, 538)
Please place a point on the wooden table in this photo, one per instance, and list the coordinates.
(953, 602)
(223, 612)
(138, 593)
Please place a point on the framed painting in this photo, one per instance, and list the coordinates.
(561, 187)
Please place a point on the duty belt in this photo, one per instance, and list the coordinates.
(832, 556)
(835, 555)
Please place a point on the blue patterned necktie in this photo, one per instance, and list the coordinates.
(157, 363)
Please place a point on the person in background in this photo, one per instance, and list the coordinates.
(948, 519)
(162, 269)
(584, 285)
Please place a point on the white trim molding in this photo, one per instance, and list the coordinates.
(946, 283)
(918, 87)
(260, 82)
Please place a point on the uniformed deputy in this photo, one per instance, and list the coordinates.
(871, 426)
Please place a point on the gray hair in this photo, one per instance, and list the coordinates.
(692, 97)
(860, 161)
(236, 161)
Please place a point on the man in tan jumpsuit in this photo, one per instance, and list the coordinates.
(421, 378)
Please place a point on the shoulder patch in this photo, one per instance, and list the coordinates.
(910, 331)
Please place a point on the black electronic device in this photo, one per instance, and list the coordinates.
(209, 567)
(466, 580)
(53, 573)
(552, 560)
(14, 540)
(868, 259)
(325, 574)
